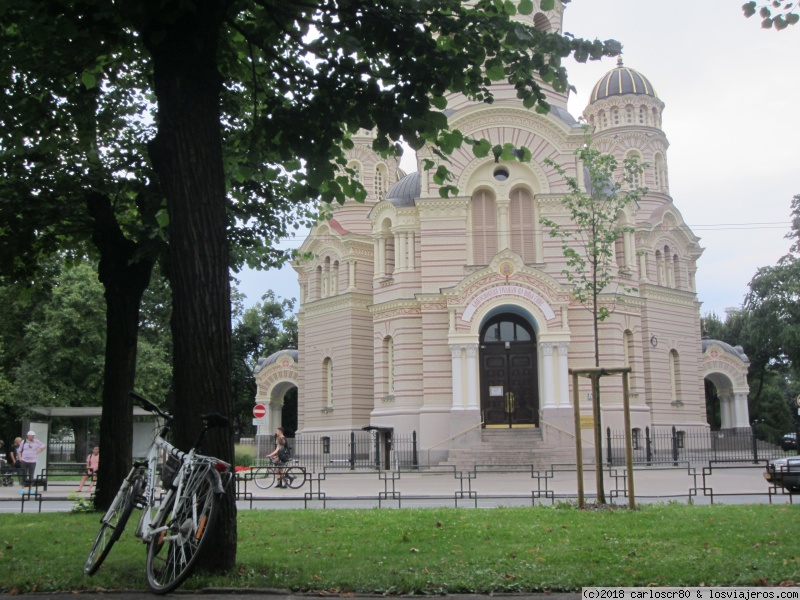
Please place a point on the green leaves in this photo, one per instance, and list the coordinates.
(525, 7)
(767, 13)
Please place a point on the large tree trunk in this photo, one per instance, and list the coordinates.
(187, 155)
(125, 277)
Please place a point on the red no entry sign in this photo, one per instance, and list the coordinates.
(259, 411)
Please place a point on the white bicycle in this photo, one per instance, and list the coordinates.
(176, 528)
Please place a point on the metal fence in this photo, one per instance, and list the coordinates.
(354, 450)
(695, 445)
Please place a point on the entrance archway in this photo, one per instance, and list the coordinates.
(509, 386)
(277, 379)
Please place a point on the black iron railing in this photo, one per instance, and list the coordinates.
(690, 444)
(353, 450)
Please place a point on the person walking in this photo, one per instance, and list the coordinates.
(92, 462)
(29, 452)
(13, 456)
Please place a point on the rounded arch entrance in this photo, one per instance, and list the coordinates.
(277, 378)
(725, 369)
(508, 363)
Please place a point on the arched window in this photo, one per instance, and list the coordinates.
(318, 283)
(506, 328)
(627, 347)
(637, 179)
(642, 116)
(387, 239)
(327, 383)
(484, 227)
(541, 22)
(674, 376)
(388, 357)
(616, 116)
(660, 267)
(669, 265)
(381, 181)
(335, 278)
(629, 115)
(660, 173)
(356, 167)
(326, 278)
(520, 216)
(603, 119)
(676, 272)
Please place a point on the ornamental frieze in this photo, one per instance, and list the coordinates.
(736, 376)
(350, 300)
(277, 376)
(473, 122)
(455, 208)
(671, 296)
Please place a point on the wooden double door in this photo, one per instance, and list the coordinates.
(509, 374)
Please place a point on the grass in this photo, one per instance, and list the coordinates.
(435, 551)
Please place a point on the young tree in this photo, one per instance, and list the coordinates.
(588, 242)
(588, 239)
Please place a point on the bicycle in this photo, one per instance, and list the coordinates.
(265, 476)
(176, 528)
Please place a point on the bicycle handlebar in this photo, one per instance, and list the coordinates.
(213, 419)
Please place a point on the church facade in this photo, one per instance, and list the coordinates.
(451, 317)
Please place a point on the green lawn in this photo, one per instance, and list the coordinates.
(440, 550)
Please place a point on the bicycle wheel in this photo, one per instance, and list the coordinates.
(113, 523)
(264, 477)
(295, 477)
(172, 553)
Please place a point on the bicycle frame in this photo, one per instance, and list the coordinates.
(189, 460)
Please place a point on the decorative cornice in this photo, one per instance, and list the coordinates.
(394, 308)
(448, 208)
(656, 292)
(349, 300)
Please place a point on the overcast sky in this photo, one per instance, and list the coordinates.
(731, 92)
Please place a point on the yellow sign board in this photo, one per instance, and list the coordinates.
(587, 422)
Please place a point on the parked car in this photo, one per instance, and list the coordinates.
(784, 472)
(789, 441)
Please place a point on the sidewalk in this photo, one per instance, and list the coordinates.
(482, 487)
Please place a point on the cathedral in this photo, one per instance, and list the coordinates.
(452, 317)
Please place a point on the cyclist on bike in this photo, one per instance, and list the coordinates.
(277, 457)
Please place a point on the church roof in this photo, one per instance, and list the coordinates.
(621, 81)
(737, 351)
(405, 191)
(263, 363)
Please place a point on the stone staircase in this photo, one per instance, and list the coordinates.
(510, 447)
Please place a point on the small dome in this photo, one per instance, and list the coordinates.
(404, 191)
(263, 363)
(622, 81)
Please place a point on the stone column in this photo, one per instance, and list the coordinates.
(400, 246)
(548, 375)
(411, 251)
(563, 375)
(382, 257)
(473, 384)
(458, 387)
(726, 411)
(503, 225)
(643, 266)
(741, 410)
(351, 275)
